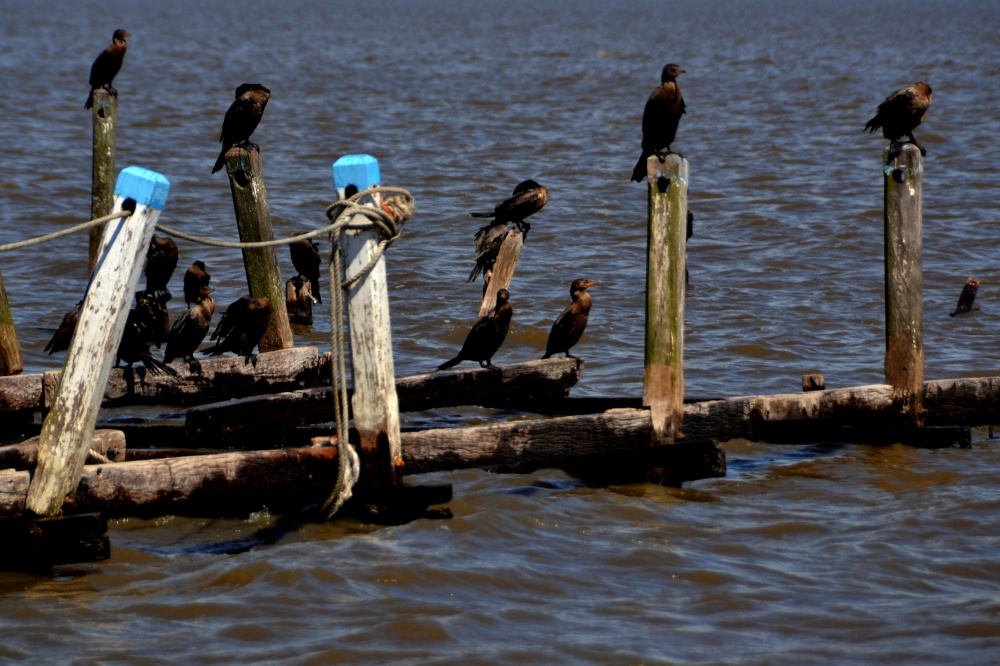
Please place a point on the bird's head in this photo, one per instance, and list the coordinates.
(670, 71)
(502, 297)
(120, 35)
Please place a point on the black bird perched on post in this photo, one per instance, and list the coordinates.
(161, 260)
(660, 118)
(194, 280)
(486, 336)
(190, 328)
(242, 118)
(64, 334)
(106, 66)
(900, 114)
(241, 328)
(569, 326)
(148, 324)
(528, 198)
(307, 261)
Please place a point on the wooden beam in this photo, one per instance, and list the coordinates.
(102, 188)
(108, 443)
(502, 273)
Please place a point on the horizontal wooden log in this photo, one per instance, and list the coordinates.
(208, 379)
(42, 543)
(108, 443)
(20, 392)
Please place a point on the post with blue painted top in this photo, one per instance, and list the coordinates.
(663, 376)
(375, 405)
(904, 282)
(105, 116)
(69, 426)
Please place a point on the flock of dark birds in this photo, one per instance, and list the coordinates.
(245, 321)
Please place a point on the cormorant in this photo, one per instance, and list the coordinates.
(242, 118)
(660, 118)
(148, 323)
(528, 198)
(194, 280)
(486, 336)
(241, 328)
(307, 261)
(106, 66)
(161, 260)
(568, 327)
(900, 114)
(967, 297)
(64, 334)
(190, 328)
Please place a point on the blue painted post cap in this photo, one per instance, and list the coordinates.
(359, 170)
(145, 187)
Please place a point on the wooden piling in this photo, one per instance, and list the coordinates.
(105, 115)
(663, 378)
(503, 270)
(69, 426)
(299, 301)
(375, 405)
(11, 362)
(253, 216)
(904, 343)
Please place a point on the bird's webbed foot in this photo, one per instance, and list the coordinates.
(523, 227)
(568, 355)
(111, 91)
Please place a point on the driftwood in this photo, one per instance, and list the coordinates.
(20, 392)
(42, 543)
(108, 443)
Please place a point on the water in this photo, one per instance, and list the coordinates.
(801, 555)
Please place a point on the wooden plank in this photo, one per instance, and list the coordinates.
(108, 443)
(69, 426)
(503, 270)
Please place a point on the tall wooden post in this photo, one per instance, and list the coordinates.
(663, 378)
(904, 341)
(375, 405)
(105, 115)
(69, 426)
(253, 216)
(11, 362)
(503, 270)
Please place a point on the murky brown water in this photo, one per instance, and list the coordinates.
(801, 555)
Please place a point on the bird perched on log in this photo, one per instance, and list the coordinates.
(966, 298)
(107, 65)
(64, 334)
(900, 114)
(242, 118)
(161, 260)
(660, 118)
(486, 336)
(194, 280)
(528, 198)
(569, 326)
(307, 261)
(190, 328)
(148, 323)
(241, 328)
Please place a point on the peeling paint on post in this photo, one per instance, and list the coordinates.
(69, 427)
(105, 115)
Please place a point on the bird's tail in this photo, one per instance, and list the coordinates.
(314, 283)
(873, 125)
(221, 162)
(89, 104)
(639, 172)
(489, 214)
(213, 351)
(157, 367)
(448, 364)
(476, 270)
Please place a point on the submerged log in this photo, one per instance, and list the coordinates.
(108, 443)
(42, 543)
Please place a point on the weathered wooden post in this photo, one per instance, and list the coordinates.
(375, 405)
(503, 270)
(11, 362)
(904, 341)
(253, 216)
(68, 429)
(105, 115)
(663, 378)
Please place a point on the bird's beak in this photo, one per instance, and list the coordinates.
(593, 283)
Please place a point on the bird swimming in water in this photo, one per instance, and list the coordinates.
(190, 328)
(194, 280)
(967, 297)
(64, 334)
(106, 66)
(528, 198)
(161, 260)
(307, 261)
(900, 114)
(569, 326)
(242, 118)
(242, 326)
(148, 323)
(660, 118)
(486, 336)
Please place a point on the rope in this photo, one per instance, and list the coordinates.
(65, 232)
(99, 457)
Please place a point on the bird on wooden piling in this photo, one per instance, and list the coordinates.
(307, 261)
(106, 66)
(148, 323)
(194, 280)
(242, 118)
(190, 328)
(64, 334)
(486, 335)
(900, 114)
(569, 326)
(161, 260)
(660, 118)
(967, 297)
(528, 198)
(242, 326)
